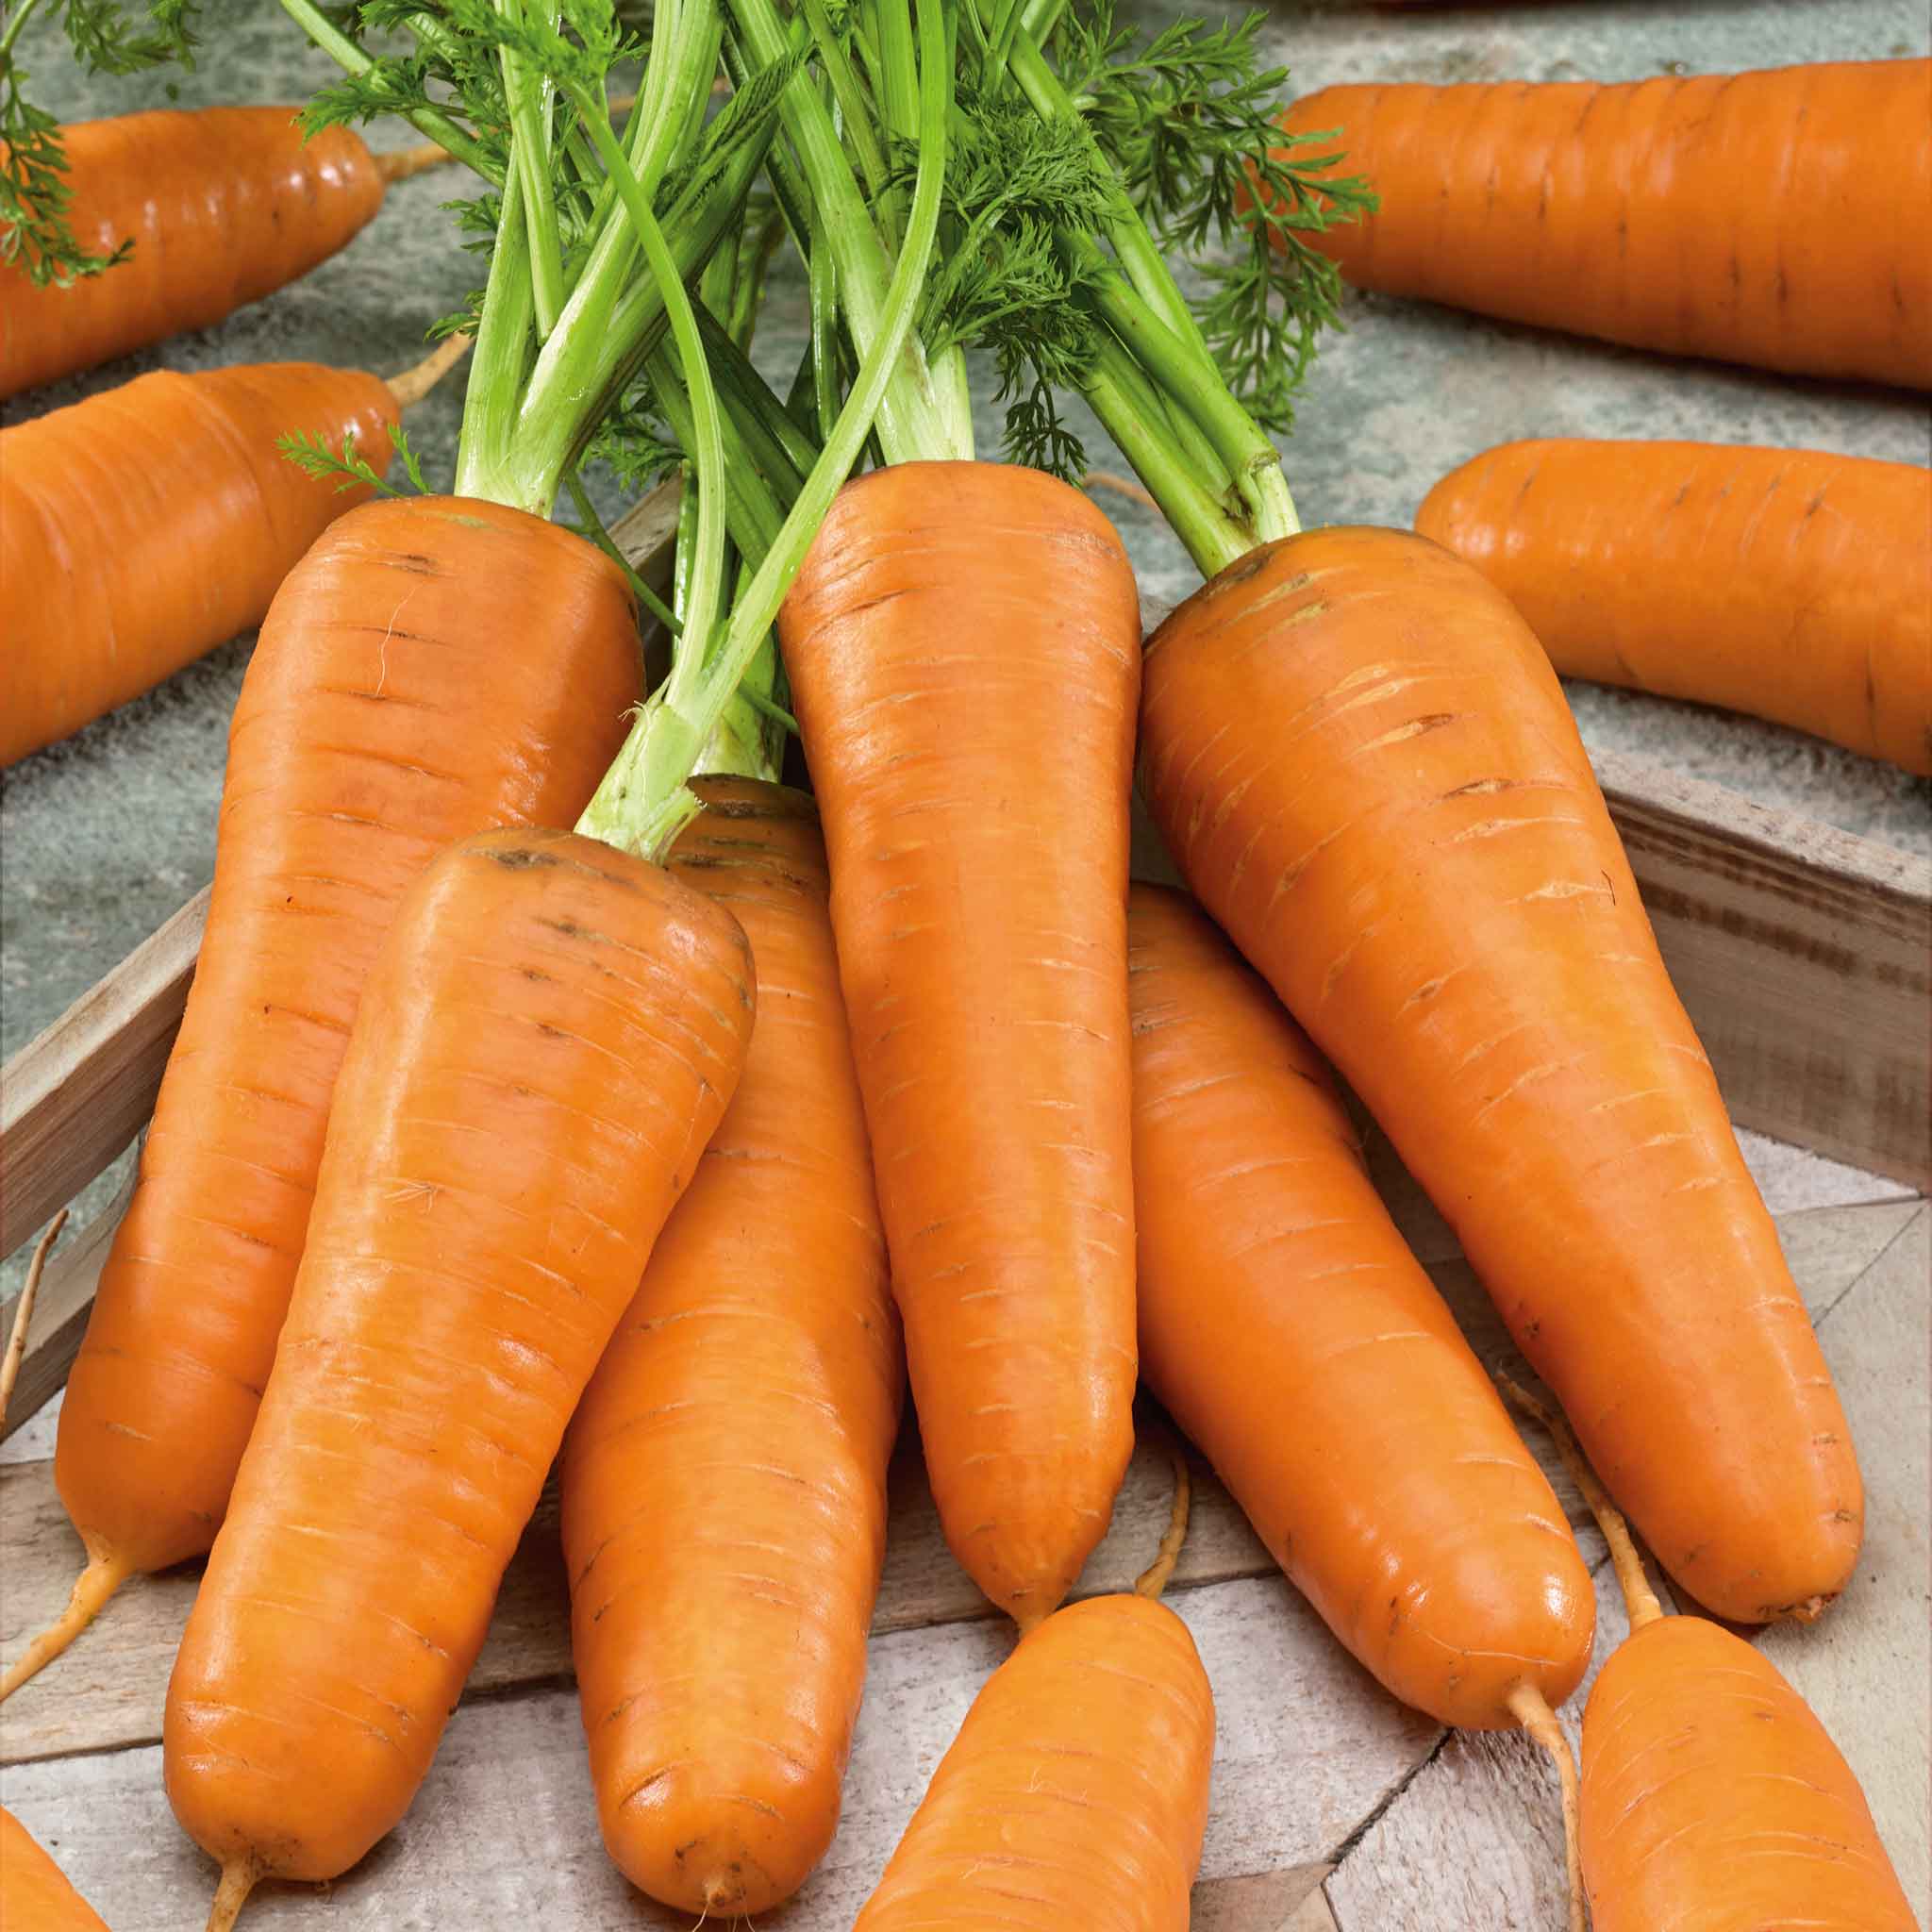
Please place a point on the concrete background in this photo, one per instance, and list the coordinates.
(103, 836)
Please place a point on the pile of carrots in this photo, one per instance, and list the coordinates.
(676, 1147)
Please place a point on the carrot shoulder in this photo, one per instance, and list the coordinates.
(387, 709)
(1790, 584)
(1364, 765)
(724, 1480)
(1461, 1585)
(1773, 218)
(222, 206)
(961, 646)
(545, 1044)
(143, 526)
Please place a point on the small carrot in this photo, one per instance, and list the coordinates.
(1461, 1587)
(1076, 1791)
(1790, 584)
(35, 1894)
(961, 647)
(147, 525)
(724, 1480)
(219, 205)
(542, 1047)
(1713, 1799)
(385, 711)
(1365, 768)
(1773, 218)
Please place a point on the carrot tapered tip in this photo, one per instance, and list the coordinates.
(1532, 1710)
(105, 1574)
(23, 1311)
(238, 1881)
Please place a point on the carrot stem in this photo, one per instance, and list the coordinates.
(1533, 1712)
(23, 1311)
(1639, 1600)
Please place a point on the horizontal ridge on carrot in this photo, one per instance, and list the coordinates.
(1363, 764)
(221, 206)
(1790, 584)
(1352, 1424)
(723, 1479)
(149, 524)
(1773, 218)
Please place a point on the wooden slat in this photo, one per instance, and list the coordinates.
(1804, 957)
(71, 1099)
(107, 1693)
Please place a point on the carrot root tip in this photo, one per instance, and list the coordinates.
(105, 1574)
(1531, 1709)
(238, 1881)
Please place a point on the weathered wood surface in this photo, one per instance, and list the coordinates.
(107, 1693)
(1471, 1841)
(74, 1097)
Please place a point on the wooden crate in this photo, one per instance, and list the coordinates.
(1802, 954)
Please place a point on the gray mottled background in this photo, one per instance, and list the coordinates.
(103, 836)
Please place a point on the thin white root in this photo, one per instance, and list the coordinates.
(411, 385)
(1532, 1711)
(23, 1311)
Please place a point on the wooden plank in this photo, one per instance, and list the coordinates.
(71, 1099)
(1804, 957)
(59, 1316)
(1473, 1839)
(504, 1831)
(107, 1693)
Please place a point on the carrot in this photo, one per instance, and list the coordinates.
(543, 1045)
(1460, 1588)
(1790, 584)
(960, 644)
(150, 524)
(1076, 1791)
(1365, 768)
(385, 711)
(222, 206)
(1713, 1799)
(1773, 218)
(724, 1480)
(35, 1893)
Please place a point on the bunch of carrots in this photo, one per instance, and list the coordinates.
(559, 1084)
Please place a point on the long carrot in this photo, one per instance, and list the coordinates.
(1773, 218)
(543, 1045)
(1790, 584)
(962, 648)
(35, 1894)
(222, 206)
(384, 712)
(1076, 1791)
(1364, 765)
(724, 1480)
(1713, 1799)
(145, 525)
(1356, 1429)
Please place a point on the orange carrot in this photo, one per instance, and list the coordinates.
(1713, 1799)
(1773, 218)
(724, 1480)
(147, 525)
(1790, 584)
(1457, 1581)
(386, 710)
(1076, 1791)
(35, 1893)
(1363, 763)
(544, 1044)
(222, 206)
(961, 649)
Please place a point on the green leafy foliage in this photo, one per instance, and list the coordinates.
(36, 196)
(1190, 120)
(348, 465)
